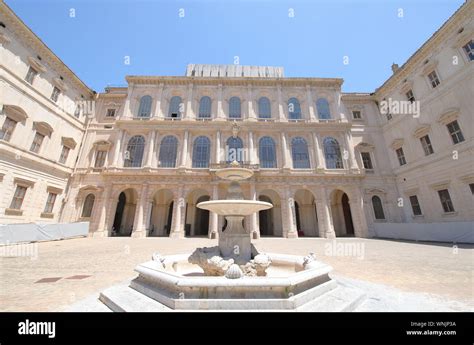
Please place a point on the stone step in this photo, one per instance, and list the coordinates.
(341, 299)
(122, 298)
(125, 299)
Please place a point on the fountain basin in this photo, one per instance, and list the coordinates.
(234, 207)
(234, 174)
(182, 286)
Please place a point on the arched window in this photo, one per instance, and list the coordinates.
(264, 108)
(175, 107)
(234, 150)
(323, 108)
(168, 152)
(88, 205)
(294, 109)
(332, 154)
(201, 152)
(299, 152)
(144, 110)
(266, 153)
(134, 153)
(234, 108)
(205, 107)
(378, 208)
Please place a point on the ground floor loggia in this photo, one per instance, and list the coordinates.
(148, 209)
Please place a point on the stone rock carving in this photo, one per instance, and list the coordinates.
(258, 266)
(262, 262)
(209, 259)
(309, 261)
(157, 257)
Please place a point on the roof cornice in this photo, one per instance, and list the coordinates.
(15, 24)
(466, 11)
(235, 81)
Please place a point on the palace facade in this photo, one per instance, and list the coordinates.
(136, 160)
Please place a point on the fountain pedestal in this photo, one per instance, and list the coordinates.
(235, 243)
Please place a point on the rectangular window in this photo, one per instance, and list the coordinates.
(469, 50)
(401, 156)
(434, 80)
(426, 143)
(455, 131)
(64, 154)
(471, 185)
(37, 141)
(30, 76)
(100, 158)
(55, 94)
(18, 197)
(48, 208)
(415, 205)
(110, 113)
(445, 199)
(7, 129)
(366, 160)
(356, 114)
(410, 96)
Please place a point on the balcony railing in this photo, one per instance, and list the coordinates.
(223, 165)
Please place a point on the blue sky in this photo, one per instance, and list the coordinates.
(311, 43)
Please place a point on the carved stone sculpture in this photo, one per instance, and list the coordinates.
(209, 259)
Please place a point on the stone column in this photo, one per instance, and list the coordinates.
(154, 156)
(220, 109)
(156, 111)
(251, 112)
(252, 155)
(177, 225)
(139, 227)
(213, 217)
(309, 100)
(218, 147)
(325, 225)
(150, 148)
(118, 149)
(127, 110)
(284, 152)
(189, 106)
(350, 149)
(103, 203)
(184, 152)
(288, 215)
(318, 152)
(359, 221)
(254, 226)
(281, 110)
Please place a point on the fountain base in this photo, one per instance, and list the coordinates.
(175, 284)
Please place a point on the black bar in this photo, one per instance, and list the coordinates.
(240, 328)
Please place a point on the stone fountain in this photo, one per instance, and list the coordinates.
(232, 275)
(234, 241)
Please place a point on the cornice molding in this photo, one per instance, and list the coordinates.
(16, 25)
(235, 81)
(465, 12)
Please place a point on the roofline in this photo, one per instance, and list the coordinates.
(401, 72)
(237, 80)
(9, 12)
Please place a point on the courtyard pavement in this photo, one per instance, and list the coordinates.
(52, 275)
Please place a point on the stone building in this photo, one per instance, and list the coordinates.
(332, 163)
